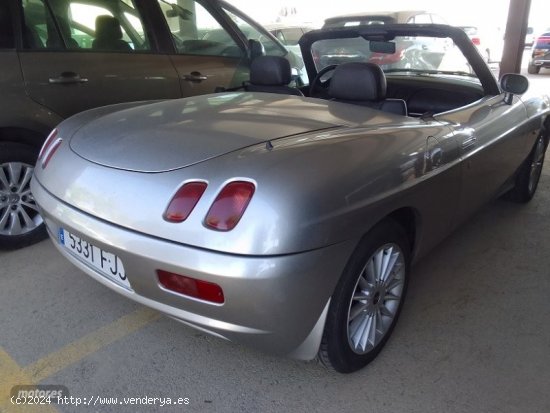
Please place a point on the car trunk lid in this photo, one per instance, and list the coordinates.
(174, 134)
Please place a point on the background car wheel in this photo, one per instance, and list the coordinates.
(20, 222)
(367, 300)
(532, 69)
(528, 176)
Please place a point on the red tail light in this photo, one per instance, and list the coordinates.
(192, 287)
(229, 206)
(476, 41)
(51, 137)
(184, 201)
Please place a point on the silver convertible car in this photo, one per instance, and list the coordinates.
(290, 222)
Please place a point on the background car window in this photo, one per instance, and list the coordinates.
(543, 41)
(420, 19)
(6, 28)
(195, 31)
(251, 31)
(39, 31)
(290, 36)
(101, 25)
(437, 19)
(105, 25)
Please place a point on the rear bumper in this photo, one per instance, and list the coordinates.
(275, 303)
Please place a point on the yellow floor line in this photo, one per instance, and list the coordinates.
(89, 344)
(11, 374)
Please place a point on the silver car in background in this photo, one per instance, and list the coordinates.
(290, 223)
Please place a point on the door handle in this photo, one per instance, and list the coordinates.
(469, 142)
(67, 78)
(195, 77)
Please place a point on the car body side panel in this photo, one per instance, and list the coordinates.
(219, 71)
(538, 107)
(494, 139)
(313, 189)
(19, 111)
(111, 78)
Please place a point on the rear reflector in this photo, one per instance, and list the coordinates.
(229, 206)
(476, 41)
(51, 137)
(184, 201)
(203, 290)
(49, 151)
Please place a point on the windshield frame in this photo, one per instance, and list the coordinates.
(389, 32)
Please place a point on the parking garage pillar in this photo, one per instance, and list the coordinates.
(514, 37)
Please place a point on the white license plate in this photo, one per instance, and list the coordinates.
(106, 263)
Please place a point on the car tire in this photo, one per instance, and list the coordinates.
(529, 173)
(532, 69)
(367, 299)
(20, 222)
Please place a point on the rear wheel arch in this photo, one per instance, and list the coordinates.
(410, 220)
(22, 136)
(386, 238)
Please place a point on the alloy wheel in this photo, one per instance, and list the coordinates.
(376, 298)
(18, 211)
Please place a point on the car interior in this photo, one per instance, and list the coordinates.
(363, 83)
(405, 75)
(108, 34)
(271, 74)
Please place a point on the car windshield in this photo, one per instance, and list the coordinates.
(417, 55)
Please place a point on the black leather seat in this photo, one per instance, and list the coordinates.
(271, 74)
(55, 42)
(363, 83)
(108, 34)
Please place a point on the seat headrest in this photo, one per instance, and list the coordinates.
(358, 81)
(270, 71)
(107, 27)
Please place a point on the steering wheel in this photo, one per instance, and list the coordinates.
(319, 88)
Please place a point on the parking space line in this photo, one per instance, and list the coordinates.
(89, 344)
(11, 375)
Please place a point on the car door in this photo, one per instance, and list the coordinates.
(81, 54)
(492, 148)
(208, 54)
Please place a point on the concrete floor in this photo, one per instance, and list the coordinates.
(474, 335)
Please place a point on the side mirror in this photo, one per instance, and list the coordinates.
(256, 48)
(513, 84)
